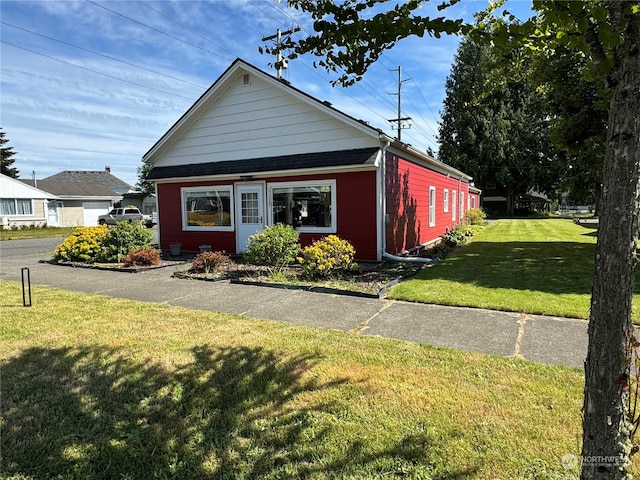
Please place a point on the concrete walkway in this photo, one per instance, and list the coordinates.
(533, 337)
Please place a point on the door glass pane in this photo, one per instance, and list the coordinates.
(250, 207)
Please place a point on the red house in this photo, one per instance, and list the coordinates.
(254, 151)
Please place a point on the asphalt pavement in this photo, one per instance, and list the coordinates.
(538, 338)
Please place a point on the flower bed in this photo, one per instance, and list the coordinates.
(371, 280)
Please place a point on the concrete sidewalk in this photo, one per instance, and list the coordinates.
(532, 337)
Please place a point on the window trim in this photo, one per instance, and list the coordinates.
(454, 199)
(432, 206)
(462, 205)
(445, 201)
(205, 188)
(307, 183)
(15, 206)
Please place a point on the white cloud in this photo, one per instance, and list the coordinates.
(58, 116)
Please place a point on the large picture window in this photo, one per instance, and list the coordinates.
(16, 206)
(307, 206)
(207, 208)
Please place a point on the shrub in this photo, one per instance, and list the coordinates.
(469, 230)
(326, 256)
(475, 216)
(83, 245)
(209, 262)
(275, 247)
(143, 257)
(122, 238)
(454, 238)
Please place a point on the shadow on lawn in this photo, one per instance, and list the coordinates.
(92, 412)
(554, 267)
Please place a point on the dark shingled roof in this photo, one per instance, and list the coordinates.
(72, 189)
(256, 165)
(96, 177)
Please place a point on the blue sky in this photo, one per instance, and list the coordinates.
(90, 83)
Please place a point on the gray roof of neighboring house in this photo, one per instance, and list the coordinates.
(287, 162)
(73, 188)
(96, 177)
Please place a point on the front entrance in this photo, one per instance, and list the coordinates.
(250, 212)
(52, 213)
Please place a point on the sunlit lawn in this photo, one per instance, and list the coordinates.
(9, 234)
(533, 266)
(103, 388)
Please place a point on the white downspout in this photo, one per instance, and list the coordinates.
(396, 258)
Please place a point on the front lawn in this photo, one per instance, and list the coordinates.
(97, 387)
(47, 232)
(532, 266)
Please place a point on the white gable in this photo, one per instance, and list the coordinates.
(248, 114)
(12, 188)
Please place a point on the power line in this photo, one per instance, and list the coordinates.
(94, 71)
(435, 117)
(160, 31)
(185, 27)
(102, 55)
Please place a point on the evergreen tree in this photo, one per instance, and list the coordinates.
(495, 126)
(144, 185)
(578, 120)
(6, 158)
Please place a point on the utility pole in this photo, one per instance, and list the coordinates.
(399, 119)
(281, 63)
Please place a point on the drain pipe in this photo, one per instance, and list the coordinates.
(397, 258)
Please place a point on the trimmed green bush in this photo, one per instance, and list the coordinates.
(276, 246)
(327, 256)
(121, 239)
(454, 238)
(83, 245)
(209, 262)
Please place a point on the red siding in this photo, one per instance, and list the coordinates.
(356, 214)
(407, 203)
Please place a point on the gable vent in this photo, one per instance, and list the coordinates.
(245, 79)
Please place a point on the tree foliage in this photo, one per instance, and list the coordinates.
(6, 158)
(497, 131)
(144, 185)
(352, 34)
(578, 112)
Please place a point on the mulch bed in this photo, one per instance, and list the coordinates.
(371, 280)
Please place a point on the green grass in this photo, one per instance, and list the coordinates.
(96, 387)
(534, 266)
(35, 233)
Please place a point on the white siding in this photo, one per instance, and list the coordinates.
(260, 120)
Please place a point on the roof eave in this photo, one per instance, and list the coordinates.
(426, 158)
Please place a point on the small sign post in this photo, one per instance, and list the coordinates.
(26, 292)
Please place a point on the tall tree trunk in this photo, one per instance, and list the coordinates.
(606, 442)
(598, 196)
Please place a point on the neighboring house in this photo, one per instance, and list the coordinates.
(254, 151)
(82, 196)
(22, 205)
